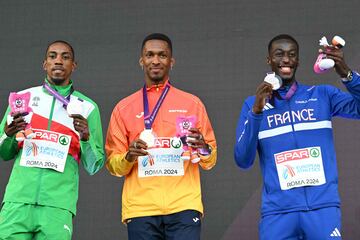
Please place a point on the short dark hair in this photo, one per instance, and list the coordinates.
(157, 36)
(60, 41)
(283, 37)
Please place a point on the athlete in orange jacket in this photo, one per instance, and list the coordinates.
(157, 138)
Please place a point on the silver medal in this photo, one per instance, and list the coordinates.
(274, 80)
(74, 108)
(148, 136)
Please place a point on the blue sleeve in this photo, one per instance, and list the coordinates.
(346, 104)
(247, 136)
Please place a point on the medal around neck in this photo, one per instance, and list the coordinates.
(148, 136)
(274, 80)
(74, 107)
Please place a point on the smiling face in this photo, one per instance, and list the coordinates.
(284, 59)
(59, 64)
(18, 103)
(156, 60)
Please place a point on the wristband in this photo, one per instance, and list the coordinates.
(205, 151)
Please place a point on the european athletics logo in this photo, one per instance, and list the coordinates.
(288, 171)
(32, 148)
(148, 160)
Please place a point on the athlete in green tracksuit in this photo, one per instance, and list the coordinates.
(41, 196)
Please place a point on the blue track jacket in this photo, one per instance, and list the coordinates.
(293, 130)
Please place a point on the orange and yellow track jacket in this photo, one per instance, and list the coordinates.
(149, 191)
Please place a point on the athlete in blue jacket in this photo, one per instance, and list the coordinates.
(291, 130)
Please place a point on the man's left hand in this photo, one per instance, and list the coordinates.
(195, 139)
(81, 126)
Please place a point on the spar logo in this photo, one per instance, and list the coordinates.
(176, 142)
(288, 171)
(64, 140)
(167, 143)
(298, 154)
(32, 148)
(46, 135)
(314, 152)
(162, 143)
(149, 159)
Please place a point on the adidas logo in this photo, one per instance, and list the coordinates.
(335, 233)
(196, 219)
(268, 106)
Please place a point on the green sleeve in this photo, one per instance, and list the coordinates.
(8, 145)
(92, 151)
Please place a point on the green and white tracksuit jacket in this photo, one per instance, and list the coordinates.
(36, 183)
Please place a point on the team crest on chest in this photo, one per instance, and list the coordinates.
(35, 101)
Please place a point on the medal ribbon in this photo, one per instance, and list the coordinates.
(54, 93)
(150, 118)
(288, 95)
(291, 91)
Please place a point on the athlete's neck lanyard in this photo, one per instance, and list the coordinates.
(287, 96)
(289, 93)
(54, 93)
(150, 118)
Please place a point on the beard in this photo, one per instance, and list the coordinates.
(157, 79)
(57, 81)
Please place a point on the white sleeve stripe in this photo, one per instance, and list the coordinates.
(312, 125)
(297, 127)
(275, 131)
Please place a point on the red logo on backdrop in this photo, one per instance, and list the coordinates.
(162, 143)
(45, 135)
(298, 154)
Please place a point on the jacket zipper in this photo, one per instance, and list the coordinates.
(48, 128)
(297, 146)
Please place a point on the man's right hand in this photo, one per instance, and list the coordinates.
(136, 148)
(18, 124)
(337, 55)
(263, 92)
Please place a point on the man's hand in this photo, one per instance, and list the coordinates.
(18, 124)
(81, 126)
(136, 148)
(263, 92)
(195, 139)
(338, 56)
